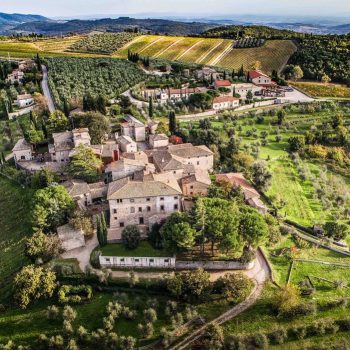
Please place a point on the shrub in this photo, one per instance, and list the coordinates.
(236, 343)
(131, 237)
(298, 332)
(260, 340)
(52, 312)
(299, 310)
(323, 326)
(146, 329)
(344, 324)
(234, 287)
(278, 335)
(95, 259)
(69, 294)
(150, 315)
(69, 314)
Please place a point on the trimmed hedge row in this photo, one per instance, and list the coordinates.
(69, 294)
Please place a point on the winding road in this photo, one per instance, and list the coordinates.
(259, 274)
(46, 90)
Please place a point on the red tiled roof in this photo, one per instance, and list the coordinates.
(256, 74)
(238, 180)
(222, 83)
(221, 99)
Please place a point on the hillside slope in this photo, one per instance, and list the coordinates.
(114, 25)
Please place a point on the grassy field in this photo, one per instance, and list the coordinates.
(293, 196)
(143, 250)
(319, 90)
(273, 55)
(14, 228)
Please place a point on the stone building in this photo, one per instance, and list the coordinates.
(23, 151)
(141, 203)
(133, 128)
(158, 140)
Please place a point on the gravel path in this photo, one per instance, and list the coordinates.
(260, 273)
(46, 90)
(83, 254)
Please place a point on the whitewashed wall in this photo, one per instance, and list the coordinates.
(141, 262)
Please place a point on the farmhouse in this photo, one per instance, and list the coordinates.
(141, 202)
(201, 157)
(133, 128)
(242, 89)
(24, 101)
(108, 152)
(62, 145)
(196, 184)
(226, 84)
(127, 144)
(15, 77)
(165, 163)
(23, 151)
(127, 168)
(257, 77)
(158, 140)
(225, 102)
(206, 73)
(251, 195)
(26, 65)
(83, 193)
(171, 94)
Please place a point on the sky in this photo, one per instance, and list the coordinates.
(190, 8)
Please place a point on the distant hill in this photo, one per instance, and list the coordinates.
(239, 31)
(113, 25)
(9, 21)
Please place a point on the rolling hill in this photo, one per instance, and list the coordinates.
(113, 25)
(10, 21)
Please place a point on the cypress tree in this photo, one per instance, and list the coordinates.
(104, 229)
(99, 232)
(150, 108)
(172, 122)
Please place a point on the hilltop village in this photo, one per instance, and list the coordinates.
(172, 192)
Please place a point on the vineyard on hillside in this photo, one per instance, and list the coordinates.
(73, 78)
(104, 43)
(273, 56)
(225, 53)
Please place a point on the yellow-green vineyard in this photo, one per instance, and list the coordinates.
(273, 55)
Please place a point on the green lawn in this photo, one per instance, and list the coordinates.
(143, 250)
(14, 228)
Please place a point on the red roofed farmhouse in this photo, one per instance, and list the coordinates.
(257, 77)
(222, 84)
(225, 102)
(251, 195)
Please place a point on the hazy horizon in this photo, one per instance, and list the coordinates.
(180, 8)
